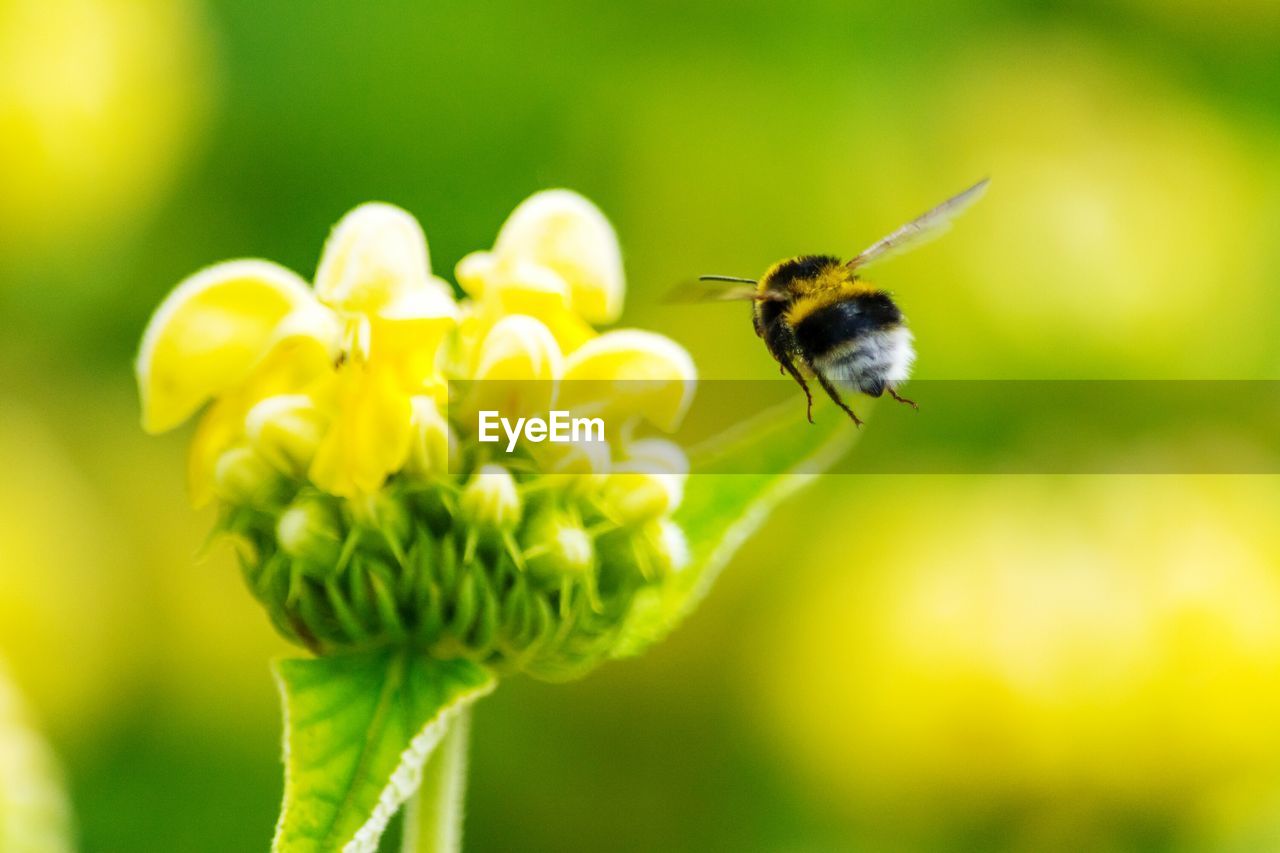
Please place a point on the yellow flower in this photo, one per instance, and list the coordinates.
(366, 341)
(630, 371)
(361, 344)
(519, 365)
(350, 476)
(556, 259)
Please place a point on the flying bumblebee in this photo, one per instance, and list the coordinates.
(816, 312)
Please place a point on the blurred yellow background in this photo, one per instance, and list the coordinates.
(894, 663)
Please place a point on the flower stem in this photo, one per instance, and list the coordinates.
(433, 818)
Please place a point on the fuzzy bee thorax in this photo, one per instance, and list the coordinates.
(811, 283)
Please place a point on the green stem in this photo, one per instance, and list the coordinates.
(433, 818)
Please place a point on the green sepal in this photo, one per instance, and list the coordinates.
(358, 729)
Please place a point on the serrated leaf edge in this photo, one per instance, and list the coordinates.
(407, 776)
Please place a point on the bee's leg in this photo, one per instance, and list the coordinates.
(835, 396)
(788, 367)
(894, 395)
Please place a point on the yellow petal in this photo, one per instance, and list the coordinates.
(294, 365)
(370, 435)
(434, 448)
(567, 234)
(312, 329)
(630, 372)
(474, 270)
(509, 284)
(285, 429)
(376, 258)
(519, 348)
(514, 283)
(212, 330)
(409, 348)
(220, 427)
(430, 299)
(648, 483)
(517, 371)
(569, 330)
(525, 287)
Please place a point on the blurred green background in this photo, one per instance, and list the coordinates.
(894, 663)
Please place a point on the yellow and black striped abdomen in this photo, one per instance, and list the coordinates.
(860, 342)
(822, 329)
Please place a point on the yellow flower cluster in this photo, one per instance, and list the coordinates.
(367, 511)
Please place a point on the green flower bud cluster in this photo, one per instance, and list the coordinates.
(459, 557)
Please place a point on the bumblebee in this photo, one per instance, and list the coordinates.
(817, 315)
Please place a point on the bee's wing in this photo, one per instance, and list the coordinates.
(920, 230)
(720, 288)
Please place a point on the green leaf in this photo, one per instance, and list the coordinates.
(358, 729)
(720, 511)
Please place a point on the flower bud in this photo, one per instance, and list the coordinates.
(286, 430)
(648, 484)
(384, 513)
(490, 499)
(241, 477)
(557, 546)
(666, 546)
(647, 553)
(636, 498)
(434, 447)
(311, 532)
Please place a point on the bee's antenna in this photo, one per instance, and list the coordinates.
(726, 278)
